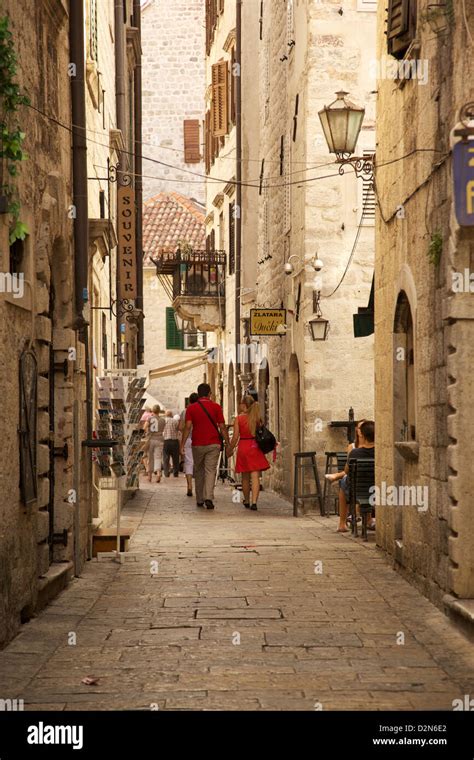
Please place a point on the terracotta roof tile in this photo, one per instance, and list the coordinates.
(170, 219)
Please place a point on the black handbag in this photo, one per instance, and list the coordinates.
(214, 423)
(266, 441)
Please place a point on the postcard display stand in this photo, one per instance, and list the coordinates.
(120, 407)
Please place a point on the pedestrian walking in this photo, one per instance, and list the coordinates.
(251, 461)
(171, 444)
(154, 427)
(188, 451)
(206, 420)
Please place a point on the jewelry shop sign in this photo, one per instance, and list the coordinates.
(463, 170)
(126, 258)
(266, 321)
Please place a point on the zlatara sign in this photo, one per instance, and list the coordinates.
(44, 734)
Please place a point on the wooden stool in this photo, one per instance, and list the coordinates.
(303, 461)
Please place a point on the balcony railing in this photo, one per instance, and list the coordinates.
(195, 273)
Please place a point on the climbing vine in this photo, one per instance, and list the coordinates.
(435, 248)
(11, 135)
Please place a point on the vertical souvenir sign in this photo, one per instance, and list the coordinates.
(463, 172)
(126, 258)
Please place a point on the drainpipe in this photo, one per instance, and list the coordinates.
(79, 157)
(137, 22)
(120, 106)
(81, 257)
(238, 221)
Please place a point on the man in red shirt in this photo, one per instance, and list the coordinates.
(206, 420)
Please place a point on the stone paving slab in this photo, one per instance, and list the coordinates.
(246, 612)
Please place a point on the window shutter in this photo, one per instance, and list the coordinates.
(192, 153)
(220, 6)
(220, 99)
(295, 117)
(93, 29)
(208, 142)
(174, 337)
(232, 238)
(401, 26)
(232, 87)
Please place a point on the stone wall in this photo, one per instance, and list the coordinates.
(300, 217)
(433, 546)
(39, 322)
(173, 90)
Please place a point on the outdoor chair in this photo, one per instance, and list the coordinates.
(361, 480)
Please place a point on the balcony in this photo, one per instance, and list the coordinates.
(198, 285)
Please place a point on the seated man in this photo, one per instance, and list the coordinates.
(365, 450)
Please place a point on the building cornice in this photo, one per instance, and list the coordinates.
(230, 41)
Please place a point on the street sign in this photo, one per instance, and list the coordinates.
(463, 171)
(126, 258)
(267, 321)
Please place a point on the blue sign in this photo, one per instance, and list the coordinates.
(463, 170)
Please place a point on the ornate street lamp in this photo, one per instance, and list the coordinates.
(318, 325)
(341, 122)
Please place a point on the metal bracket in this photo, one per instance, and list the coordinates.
(60, 538)
(363, 166)
(61, 451)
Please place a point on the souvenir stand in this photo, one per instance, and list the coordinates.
(120, 399)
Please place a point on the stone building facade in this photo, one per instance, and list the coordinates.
(173, 92)
(424, 320)
(36, 334)
(175, 362)
(54, 346)
(292, 212)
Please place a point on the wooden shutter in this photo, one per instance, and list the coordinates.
(93, 29)
(232, 87)
(208, 141)
(232, 238)
(220, 96)
(192, 153)
(220, 6)
(401, 26)
(174, 337)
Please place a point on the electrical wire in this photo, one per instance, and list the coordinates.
(204, 177)
(466, 24)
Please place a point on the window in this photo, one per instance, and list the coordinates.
(174, 337)
(194, 341)
(211, 22)
(16, 257)
(221, 232)
(367, 200)
(232, 88)
(276, 400)
(290, 21)
(404, 372)
(232, 238)
(220, 99)
(93, 46)
(401, 26)
(27, 427)
(104, 341)
(192, 153)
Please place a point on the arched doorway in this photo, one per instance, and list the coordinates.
(293, 421)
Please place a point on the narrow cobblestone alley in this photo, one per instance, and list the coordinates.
(237, 615)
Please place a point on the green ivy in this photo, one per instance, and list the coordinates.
(435, 248)
(11, 135)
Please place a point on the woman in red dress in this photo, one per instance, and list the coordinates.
(250, 459)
